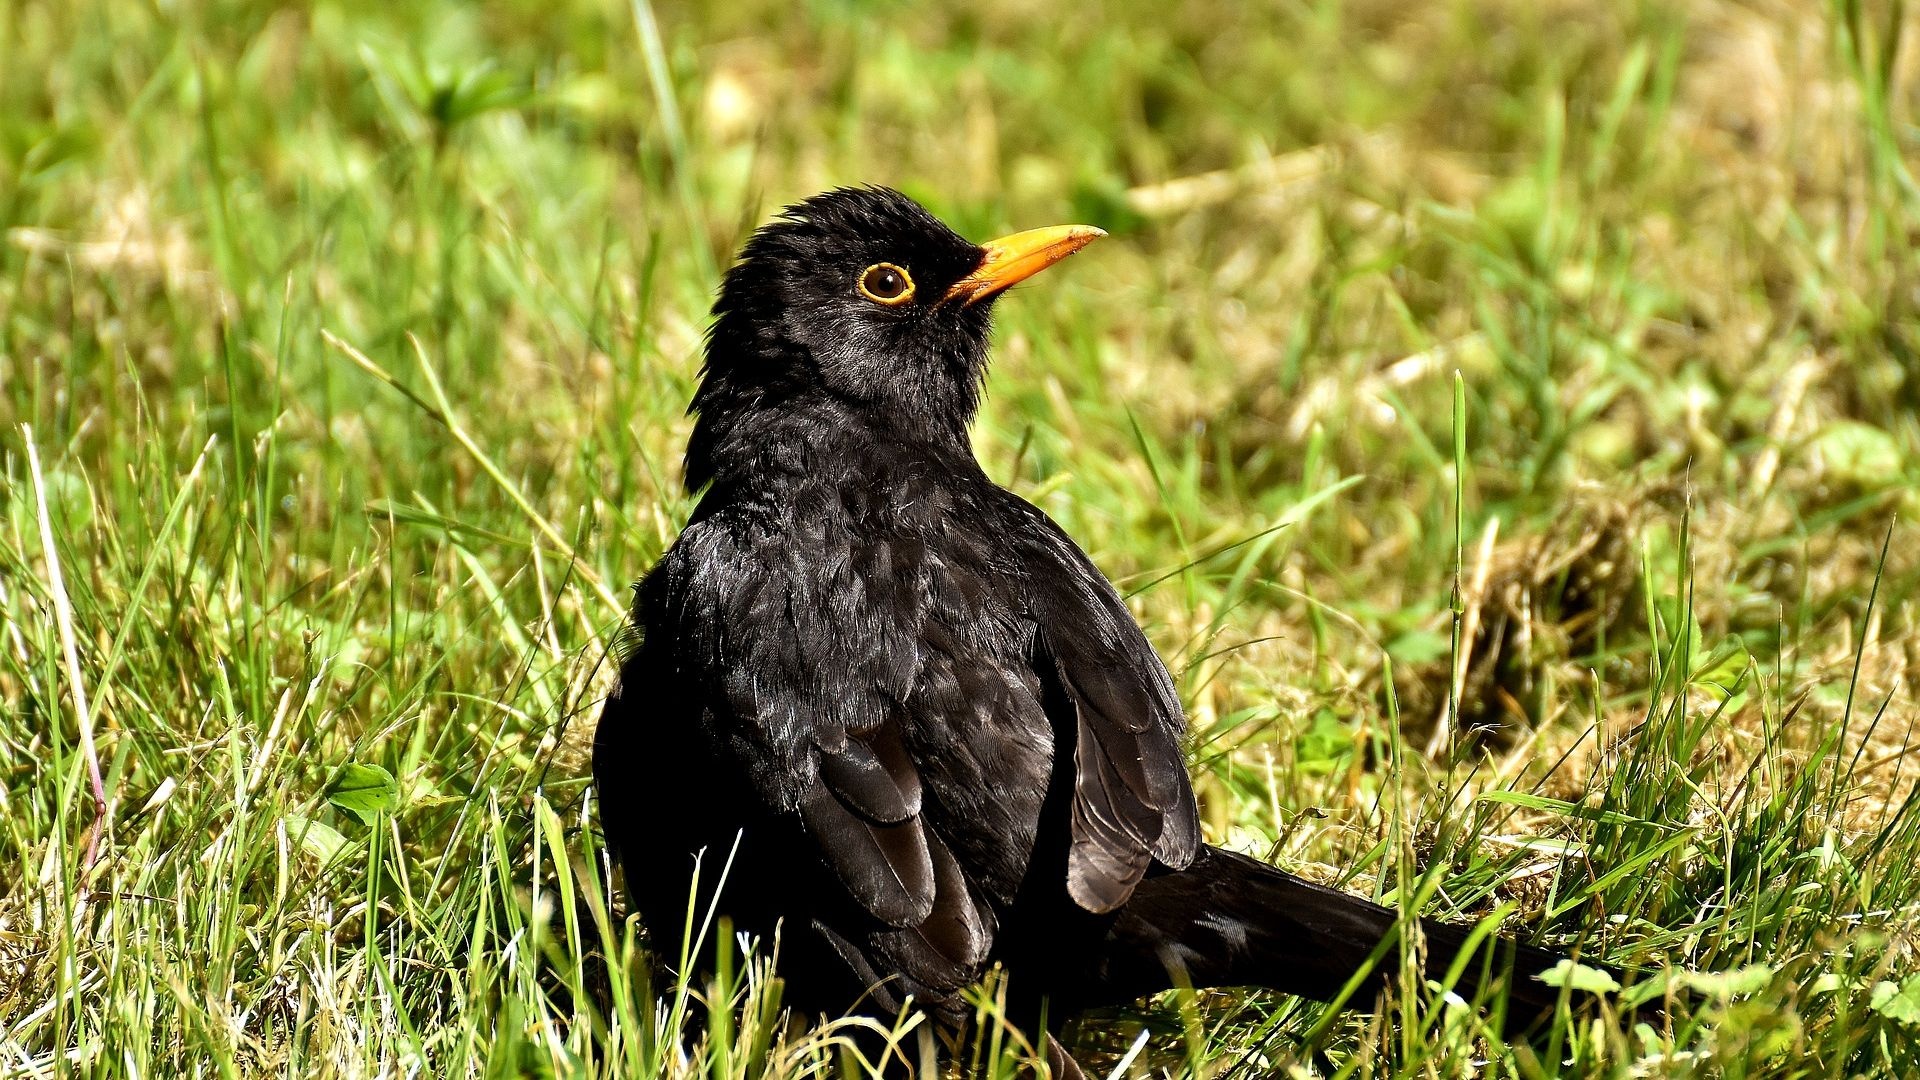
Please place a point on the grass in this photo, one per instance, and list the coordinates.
(343, 355)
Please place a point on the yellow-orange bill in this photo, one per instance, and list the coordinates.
(1013, 259)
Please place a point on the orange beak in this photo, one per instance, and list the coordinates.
(1013, 259)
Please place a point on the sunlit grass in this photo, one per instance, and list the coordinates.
(355, 344)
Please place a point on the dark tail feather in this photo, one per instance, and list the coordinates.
(1228, 920)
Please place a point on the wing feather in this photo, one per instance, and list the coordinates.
(1133, 801)
(886, 867)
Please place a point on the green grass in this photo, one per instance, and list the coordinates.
(352, 345)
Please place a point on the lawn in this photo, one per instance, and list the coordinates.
(1503, 416)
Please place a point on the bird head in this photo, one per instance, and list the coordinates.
(861, 295)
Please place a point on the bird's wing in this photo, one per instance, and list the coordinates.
(1133, 801)
(805, 678)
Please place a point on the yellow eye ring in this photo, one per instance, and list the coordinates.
(886, 283)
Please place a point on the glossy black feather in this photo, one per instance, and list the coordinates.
(910, 717)
(1233, 921)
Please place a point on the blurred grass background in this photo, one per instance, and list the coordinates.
(1503, 415)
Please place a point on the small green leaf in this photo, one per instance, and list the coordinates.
(1827, 983)
(1724, 674)
(1418, 647)
(316, 838)
(1901, 1003)
(364, 791)
(1727, 984)
(1578, 976)
(1324, 744)
(1858, 455)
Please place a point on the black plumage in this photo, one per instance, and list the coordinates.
(929, 723)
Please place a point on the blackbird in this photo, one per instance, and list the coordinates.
(899, 710)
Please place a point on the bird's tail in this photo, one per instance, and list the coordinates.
(1228, 920)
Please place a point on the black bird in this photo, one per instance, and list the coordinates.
(932, 728)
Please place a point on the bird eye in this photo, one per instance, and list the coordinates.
(885, 283)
